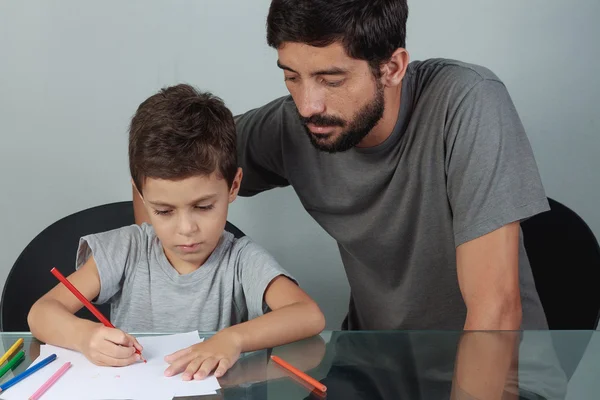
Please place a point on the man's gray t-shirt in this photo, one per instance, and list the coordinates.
(457, 166)
(147, 294)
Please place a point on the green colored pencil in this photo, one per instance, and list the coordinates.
(12, 363)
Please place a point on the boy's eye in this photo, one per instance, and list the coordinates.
(205, 208)
(290, 78)
(162, 212)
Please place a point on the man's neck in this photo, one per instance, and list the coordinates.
(386, 124)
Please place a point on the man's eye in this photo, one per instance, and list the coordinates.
(333, 83)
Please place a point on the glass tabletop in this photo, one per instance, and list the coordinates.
(411, 365)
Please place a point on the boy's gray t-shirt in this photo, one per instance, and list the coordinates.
(148, 295)
(457, 166)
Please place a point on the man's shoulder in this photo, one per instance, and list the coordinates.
(273, 112)
(446, 68)
(448, 82)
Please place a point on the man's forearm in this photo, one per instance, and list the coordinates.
(504, 317)
(486, 366)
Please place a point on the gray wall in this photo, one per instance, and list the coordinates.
(72, 74)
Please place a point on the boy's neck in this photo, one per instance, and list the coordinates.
(181, 266)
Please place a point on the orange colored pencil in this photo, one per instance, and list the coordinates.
(314, 392)
(311, 381)
(86, 302)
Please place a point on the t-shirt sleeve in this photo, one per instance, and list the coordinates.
(259, 147)
(116, 252)
(256, 269)
(492, 176)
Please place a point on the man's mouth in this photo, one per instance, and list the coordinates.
(320, 130)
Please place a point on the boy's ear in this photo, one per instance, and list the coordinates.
(138, 191)
(235, 186)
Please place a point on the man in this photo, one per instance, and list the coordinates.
(421, 171)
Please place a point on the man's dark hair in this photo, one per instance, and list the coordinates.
(181, 132)
(369, 30)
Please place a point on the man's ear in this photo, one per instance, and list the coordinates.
(235, 185)
(393, 71)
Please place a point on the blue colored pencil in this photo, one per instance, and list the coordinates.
(27, 372)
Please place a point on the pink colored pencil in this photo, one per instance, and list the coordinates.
(61, 371)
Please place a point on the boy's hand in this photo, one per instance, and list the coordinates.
(110, 347)
(220, 351)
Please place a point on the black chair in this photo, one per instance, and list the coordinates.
(55, 246)
(565, 260)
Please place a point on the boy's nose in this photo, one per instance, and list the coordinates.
(187, 227)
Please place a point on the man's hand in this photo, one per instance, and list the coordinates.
(220, 351)
(110, 347)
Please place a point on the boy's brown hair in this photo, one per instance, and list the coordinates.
(181, 132)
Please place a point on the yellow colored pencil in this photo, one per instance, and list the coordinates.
(10, 351)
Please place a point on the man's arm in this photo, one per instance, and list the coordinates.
(493, 183)
(260, 133)
(139, 212)
(488, 276)
(486, 366)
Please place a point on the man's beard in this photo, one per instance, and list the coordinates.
(366, 119)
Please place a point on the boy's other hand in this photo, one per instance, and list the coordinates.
(219, 353)
(110, 347)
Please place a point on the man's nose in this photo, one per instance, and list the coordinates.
(310, 102)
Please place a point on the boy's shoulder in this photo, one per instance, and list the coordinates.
(133, 231)
(242, 248)
(242, 253)
(125, 241)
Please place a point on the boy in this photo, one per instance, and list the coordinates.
(183, 272)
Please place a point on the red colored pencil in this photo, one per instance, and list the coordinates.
(318, 385)
(86, 302)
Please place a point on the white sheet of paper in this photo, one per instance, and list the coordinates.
(86, 381)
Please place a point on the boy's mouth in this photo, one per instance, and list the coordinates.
(188, 248)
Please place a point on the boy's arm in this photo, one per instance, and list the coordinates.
(305, 355)
(294, 316)
(52, 320)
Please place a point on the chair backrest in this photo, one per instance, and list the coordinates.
(565, 259)
(56, 246)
